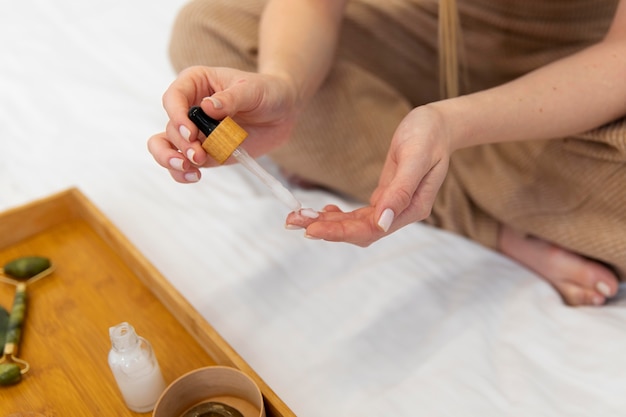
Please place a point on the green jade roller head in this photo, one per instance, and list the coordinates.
(18, 272)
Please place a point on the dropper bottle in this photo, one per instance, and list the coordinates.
(223, 139)
(135, 368)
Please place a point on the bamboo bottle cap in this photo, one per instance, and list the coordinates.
(222, 138)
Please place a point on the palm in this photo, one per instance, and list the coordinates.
(357, 227)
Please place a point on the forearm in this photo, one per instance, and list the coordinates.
(569, 96)
(298, 39)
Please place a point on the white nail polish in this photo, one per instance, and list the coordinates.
(190, 154)
(192, 177)
(385, 220)
(603, 289)
(184, 132)
(289, 226)
(310, 213)
(216, 103)
(176, 163)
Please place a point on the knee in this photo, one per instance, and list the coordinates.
(216, 33)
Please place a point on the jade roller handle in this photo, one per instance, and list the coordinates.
(16, 319)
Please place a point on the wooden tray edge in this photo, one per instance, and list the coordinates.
(34, 217)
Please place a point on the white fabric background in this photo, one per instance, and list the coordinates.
(422, 323)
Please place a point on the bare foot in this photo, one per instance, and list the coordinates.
(580, 281)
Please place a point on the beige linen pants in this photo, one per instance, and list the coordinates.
(570, 191)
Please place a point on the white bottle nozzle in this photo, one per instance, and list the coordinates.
(122, 336)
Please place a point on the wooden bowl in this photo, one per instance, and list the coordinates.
(212, 384)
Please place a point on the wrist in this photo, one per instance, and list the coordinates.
(290, 87)
(452, 122)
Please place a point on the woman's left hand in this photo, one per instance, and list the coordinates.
(416, 165)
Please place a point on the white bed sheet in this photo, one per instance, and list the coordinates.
(421, 323)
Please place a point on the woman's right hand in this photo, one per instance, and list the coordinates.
(263, 105)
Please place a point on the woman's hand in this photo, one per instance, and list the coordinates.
(416, 165)
(263, 105)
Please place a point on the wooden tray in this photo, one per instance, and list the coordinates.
(100, 280)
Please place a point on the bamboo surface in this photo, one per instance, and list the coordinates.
(223, 141)
(100, 280)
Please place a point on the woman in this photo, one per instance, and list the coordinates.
(525, 154)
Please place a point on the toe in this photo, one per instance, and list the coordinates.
(575, 295)
(605, 289)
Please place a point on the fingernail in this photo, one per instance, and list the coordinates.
(192, 177)
(190, 154)
(184, 132)
(308, 236)
(385, 220)
(290, 226)
(603, 288)
(176, 163)
(216, 103)
(310, 213)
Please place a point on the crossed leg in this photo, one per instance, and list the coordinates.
(579, 280)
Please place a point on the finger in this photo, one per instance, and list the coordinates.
(295, 220)
(393, 199)
(170, 158)
(356, 231)
(331, 208)
(428, 189)
(165, 154)
(192, 151)
(243, 93)
(383, 182)
(409, 194)
(187, 177)
(188, 89)
(357, 227)
(330, 213)
(228, 93)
